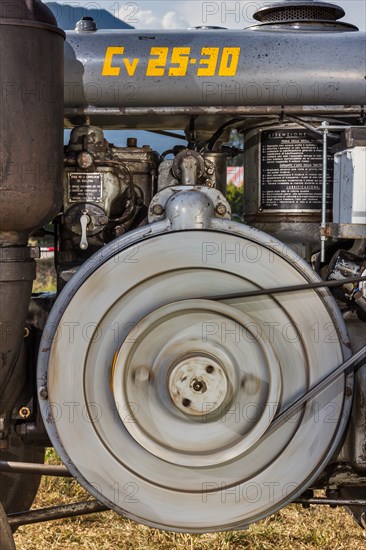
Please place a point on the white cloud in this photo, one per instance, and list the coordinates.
(148, 20)
(151, 13)
(173, 20)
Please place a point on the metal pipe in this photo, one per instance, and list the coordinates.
(56, 512)
(247, 110)
(33, 468)
(323, 223)
(31, 136)
(332, 501)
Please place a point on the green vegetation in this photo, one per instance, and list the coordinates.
(235, 196)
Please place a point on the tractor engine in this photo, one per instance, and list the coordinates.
(195, 371)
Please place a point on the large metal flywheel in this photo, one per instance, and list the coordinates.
(158, 393)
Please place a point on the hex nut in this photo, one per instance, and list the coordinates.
(158, 210)
(43, 393)
(24, 412)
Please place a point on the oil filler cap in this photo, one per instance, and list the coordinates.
(86, 24)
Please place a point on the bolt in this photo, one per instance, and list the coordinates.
(142, 374)
(197, 386)
(85, 160)
(158, 210)
(221, 209)
(43, 393)
(103, 220)
(24, 412)
(118, 231)
(348, 391)
(131, 142)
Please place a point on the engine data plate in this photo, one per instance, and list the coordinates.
(85, 187)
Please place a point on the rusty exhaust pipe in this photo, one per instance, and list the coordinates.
(31, 142)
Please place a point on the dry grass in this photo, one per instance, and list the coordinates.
(292, 528)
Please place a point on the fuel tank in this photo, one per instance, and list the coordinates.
(266, 65)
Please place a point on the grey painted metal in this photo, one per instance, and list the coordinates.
(188, 207)
(295, 10)
(323, 238)
(275, 68)
(357, 436)
(144, 242)
(219, 161)
(110, 113)
(353, 451)
(349, 204)
(156, 118)
(345, 230)
(216, 110)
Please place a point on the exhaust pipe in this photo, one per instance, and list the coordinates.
(31, 153)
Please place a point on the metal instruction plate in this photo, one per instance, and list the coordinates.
(85, 187)
(291, 171)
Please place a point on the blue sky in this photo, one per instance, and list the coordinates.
(145, 14)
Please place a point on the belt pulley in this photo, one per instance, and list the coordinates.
(157, 393)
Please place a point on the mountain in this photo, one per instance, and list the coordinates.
(67, 16)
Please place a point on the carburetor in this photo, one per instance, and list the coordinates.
(106, 192)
